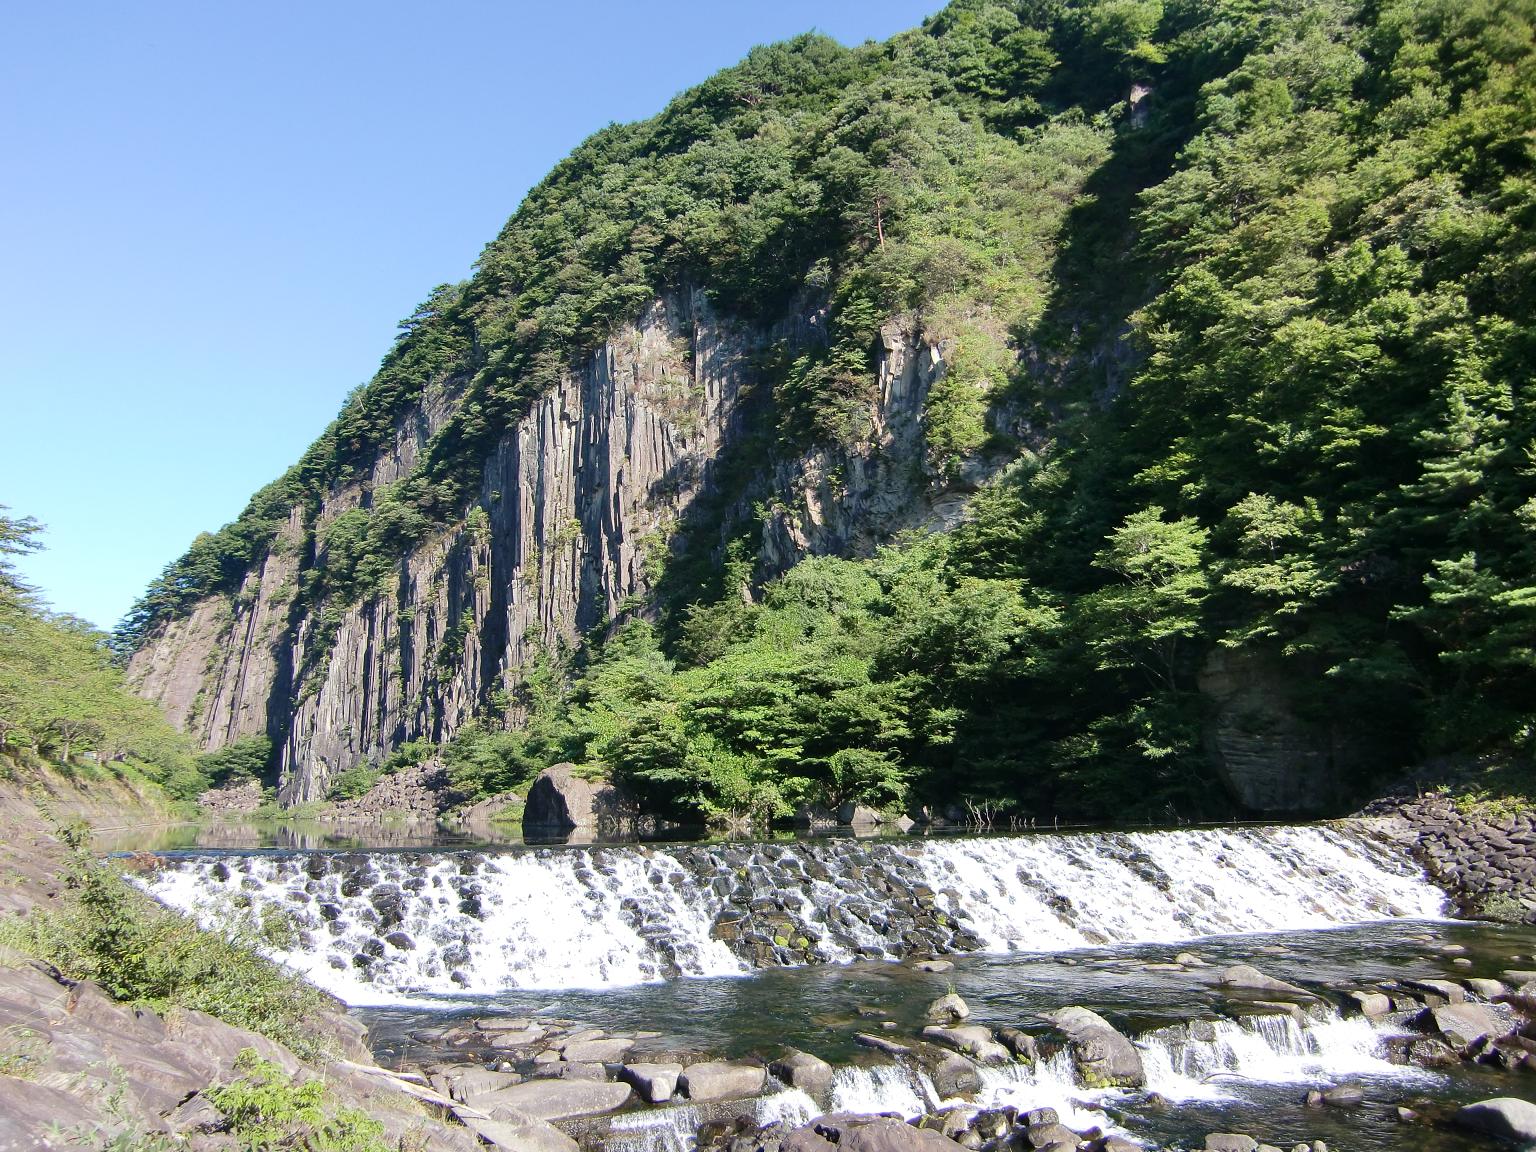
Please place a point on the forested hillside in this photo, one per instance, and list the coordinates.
(1229, 312)
(62, 700)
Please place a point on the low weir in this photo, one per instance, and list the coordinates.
(392, 927)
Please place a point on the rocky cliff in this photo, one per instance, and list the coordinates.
(579, 503)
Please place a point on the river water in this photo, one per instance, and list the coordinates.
(743, 949)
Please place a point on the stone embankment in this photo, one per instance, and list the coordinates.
(1483, 855)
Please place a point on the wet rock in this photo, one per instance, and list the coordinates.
(868, 1134)
(1463, 1025)
(1230, 1142)
(559, 1099)
(1503, 1116)
(1047, 1135)
(1437, 992)
(811, 1074)
(947, 1009)
(1372, 1004)
(722, 1080)
(1248, 978)
(1344, 1096)
(1019, 1042)
(971, 1040)
(934, 966)
(1487, 989)
(880, 1044)
(608, 1051)
(1104, 1058)
(655, 1083)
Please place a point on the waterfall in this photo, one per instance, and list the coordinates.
(387, 927)
(1211, 1061)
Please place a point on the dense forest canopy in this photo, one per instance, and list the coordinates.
(1245, 292)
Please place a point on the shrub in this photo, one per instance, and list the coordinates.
(104, 930)
(269, 1109)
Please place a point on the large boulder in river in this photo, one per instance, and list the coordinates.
(1463, 1025)
(1104, 1058)
(561, 801)
(848, 1133)
(1247, 978)
(558, 1099)
(811, 1074)
(722, 1080)
(1503, 1116)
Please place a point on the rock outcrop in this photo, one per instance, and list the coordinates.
(561, 801)
(577, 501)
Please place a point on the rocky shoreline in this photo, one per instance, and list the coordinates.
(1484, 856)
(599, 1089)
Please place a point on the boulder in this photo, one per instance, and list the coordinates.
(873, 1134)
(722, 1080)
(1104, 1058)
(656, 1083)
(948, 1009)
(1372, 1004)
(952, 1074)
(859, 816)
(608, 1051)
(1230, 1142)
(970, 1040)
(1437, 992)
(811, 1074)
(1463, 1025)
(1487, 989)
(1019, 1042)
(557, 1099)
(1249, 979)
(1344, 1096)
(561, 801)
(517, 1132)
(1047, 1135)
(1503, 1116)
(934, 965)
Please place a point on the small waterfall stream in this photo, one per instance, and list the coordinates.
(388, 927)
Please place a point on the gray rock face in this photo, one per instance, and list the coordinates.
(722, 1080)
(558, 1099)
(572, 502)
(1104, 1057)
(561, 801)
(1271, 760)
(1503, 1116)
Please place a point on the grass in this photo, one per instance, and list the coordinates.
(103, 929)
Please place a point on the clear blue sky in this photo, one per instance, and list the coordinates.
(212, 216)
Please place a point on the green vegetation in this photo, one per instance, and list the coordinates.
(61, 698)
(1258, 349)
(103, 929)
(268, 1109)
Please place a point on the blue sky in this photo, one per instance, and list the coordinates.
(213, 215)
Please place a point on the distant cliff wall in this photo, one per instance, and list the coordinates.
(576, 502)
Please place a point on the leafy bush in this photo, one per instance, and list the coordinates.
(354, 782)
(103, 929)
(243, 761)
(267, 1108)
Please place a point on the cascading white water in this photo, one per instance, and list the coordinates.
(387, 927)
(1212, 1061)
(1055, 892)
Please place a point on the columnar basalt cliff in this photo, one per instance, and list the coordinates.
(576, 504)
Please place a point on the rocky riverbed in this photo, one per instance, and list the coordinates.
(1065, 1079)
